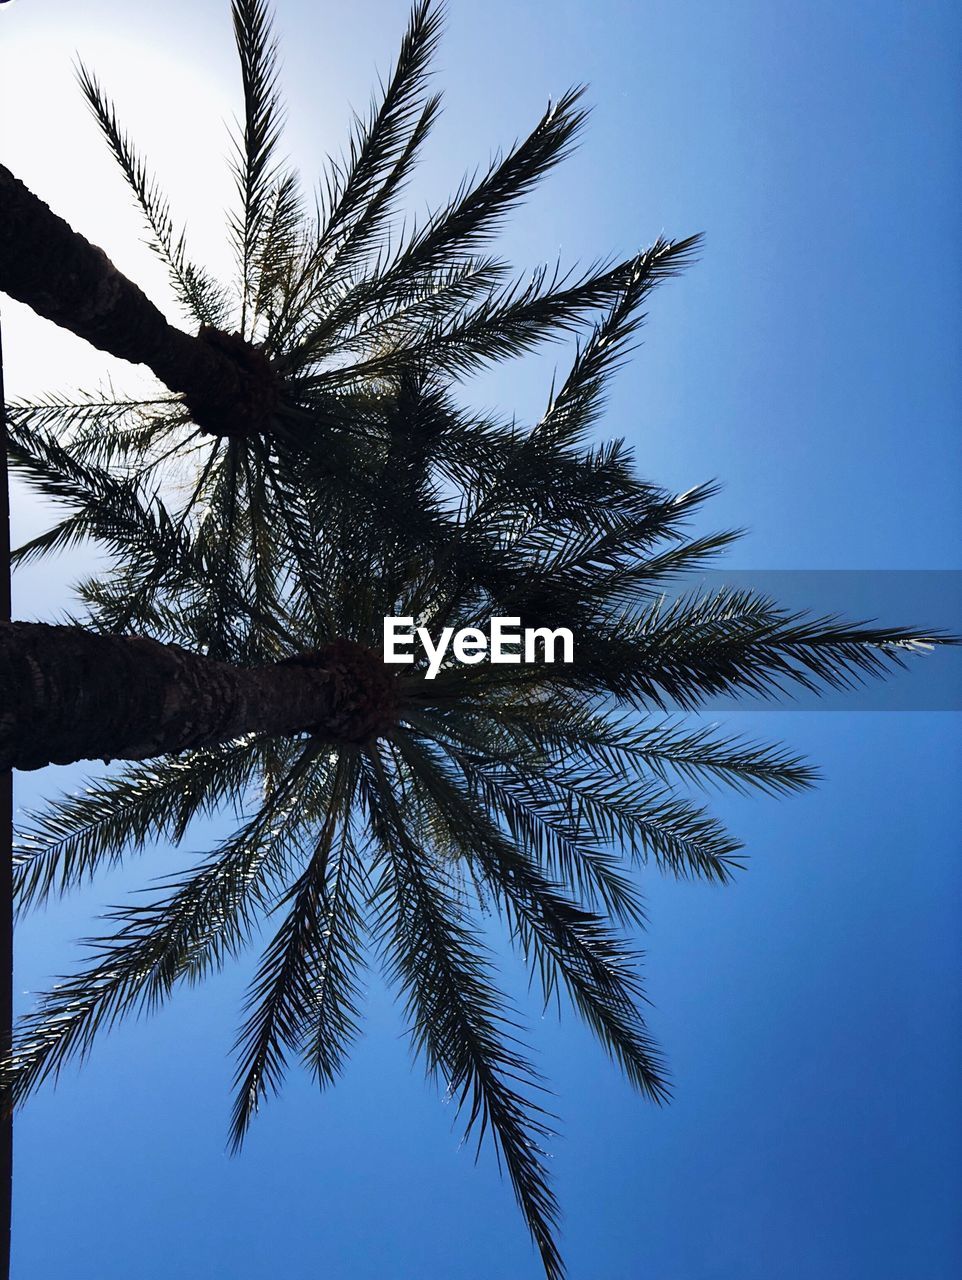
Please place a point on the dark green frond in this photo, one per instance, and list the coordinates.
(556, 935)
(291, 997)
(740, 642)
(198, 293)
(577, 405)
(460, 1021)
(69, 841)
(203, 918)
(255, 162)
(381, 153)
(476, 212)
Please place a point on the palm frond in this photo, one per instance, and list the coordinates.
(556, 935)
(255, 161)
(476, 211)
(382, 148)
(294, 982)
(576, 406)
(202, 298)
(203, 918)
(461, 1023)
(75, 836)
(742, 642)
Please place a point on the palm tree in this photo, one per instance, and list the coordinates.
(306, 353)
(392, 828)
(303, 359)
(336, 482)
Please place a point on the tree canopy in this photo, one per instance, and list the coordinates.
(277, 515)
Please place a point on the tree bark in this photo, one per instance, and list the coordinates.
(63, 277)
(67, 694)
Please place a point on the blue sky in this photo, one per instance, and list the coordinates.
(810, 361)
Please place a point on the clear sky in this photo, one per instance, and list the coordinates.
(811, 362)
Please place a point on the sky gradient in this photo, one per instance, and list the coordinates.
(811, 1012)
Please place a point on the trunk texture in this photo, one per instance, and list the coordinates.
(63, 277)
(67, 694)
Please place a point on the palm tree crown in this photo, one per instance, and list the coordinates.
(529, 787)
(330, 316)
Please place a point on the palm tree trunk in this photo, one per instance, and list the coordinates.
(67, 694)
(63, 277)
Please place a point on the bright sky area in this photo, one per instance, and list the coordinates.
(810, 362)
